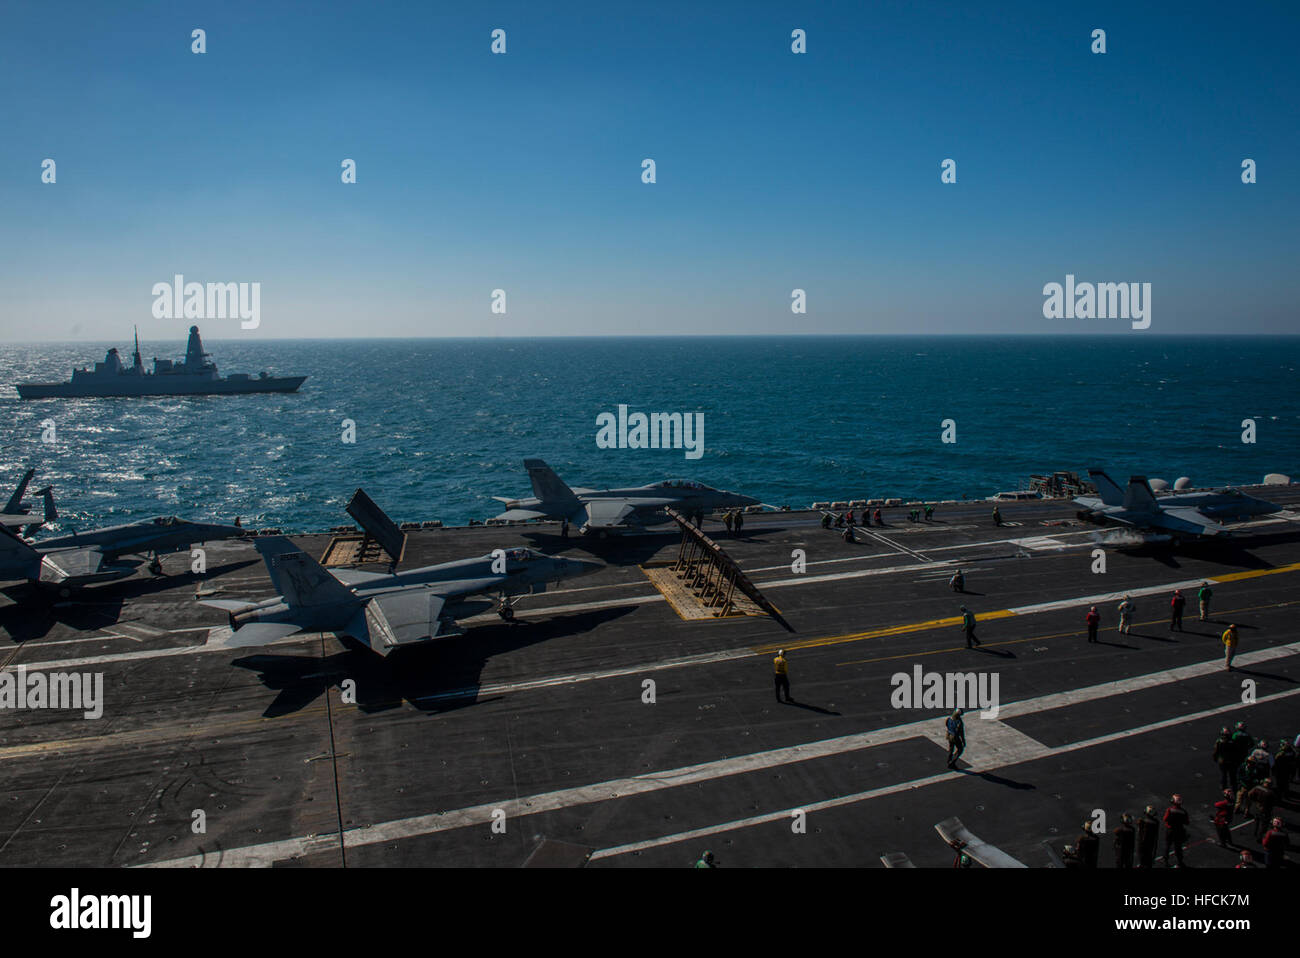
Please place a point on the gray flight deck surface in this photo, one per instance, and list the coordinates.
(543, 718)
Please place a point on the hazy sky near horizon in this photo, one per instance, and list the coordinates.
(523, 171)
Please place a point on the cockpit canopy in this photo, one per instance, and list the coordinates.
(682, 484)
(167, 521)
(523, 555)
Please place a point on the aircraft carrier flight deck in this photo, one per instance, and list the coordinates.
(607, 727)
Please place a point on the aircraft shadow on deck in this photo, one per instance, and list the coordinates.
(38, 609)
(1229, 552)
(438, 676)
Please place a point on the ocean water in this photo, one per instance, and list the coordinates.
(443, 425)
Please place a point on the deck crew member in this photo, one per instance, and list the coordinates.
(1089, 846)
(1276, 844)
(1126, 610)
(1225, 754)
(1176, 819)
(1229, 645)
(957, 582)
(706, 861)
(1204, 597)
(956, 730)
(1093, 619)
(740, 520)
(1284, 764)
(1176, 610)
(782, 676)
(1148, 834)
(968, 626)
(1264, 800)
(997, 516)
(1223, 818)
(1125, 837)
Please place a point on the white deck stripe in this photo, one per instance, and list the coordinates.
(1011, 758)
(1010, 752)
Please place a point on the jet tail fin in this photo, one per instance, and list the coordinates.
(299, 578)
(1107, 489)
(15, 503)
(51, 510)
(549, 487)
(1138, 496)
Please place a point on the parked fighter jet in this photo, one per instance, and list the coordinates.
(85, 558)
(385, 611)
(1198, 514)
(603, 511)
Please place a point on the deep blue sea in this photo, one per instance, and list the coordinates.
(442, 425)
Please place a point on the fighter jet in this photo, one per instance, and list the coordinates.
(1196, 514)
(87, 558)
(387, 611)
(604, 511)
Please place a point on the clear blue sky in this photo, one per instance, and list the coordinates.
(522, 171)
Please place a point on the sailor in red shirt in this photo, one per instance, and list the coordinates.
(1176, 610)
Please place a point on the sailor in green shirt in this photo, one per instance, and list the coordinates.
(706, 861)
(1204, 596)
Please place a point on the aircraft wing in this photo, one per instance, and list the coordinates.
(357, 578)
(413, 615)
(607, 513)
(1188, 522)
(458, 588)
(258, 633)
(399, 618)
(228, 605)
(74, 563)
(14, 521)
(518, 515)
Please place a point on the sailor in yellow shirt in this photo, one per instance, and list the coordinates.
(1229, 646)
(782, 676)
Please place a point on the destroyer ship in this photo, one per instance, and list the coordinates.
(195, 375)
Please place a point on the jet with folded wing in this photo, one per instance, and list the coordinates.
(605, 511)
(101, 555)
(385, 611)
(1182, 515)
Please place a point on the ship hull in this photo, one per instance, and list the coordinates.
(141, 386)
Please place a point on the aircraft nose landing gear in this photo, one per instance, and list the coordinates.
(155, 565)
(505, 610)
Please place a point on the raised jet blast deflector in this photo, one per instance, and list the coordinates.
(378, 526)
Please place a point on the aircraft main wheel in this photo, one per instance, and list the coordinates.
(507, 613)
